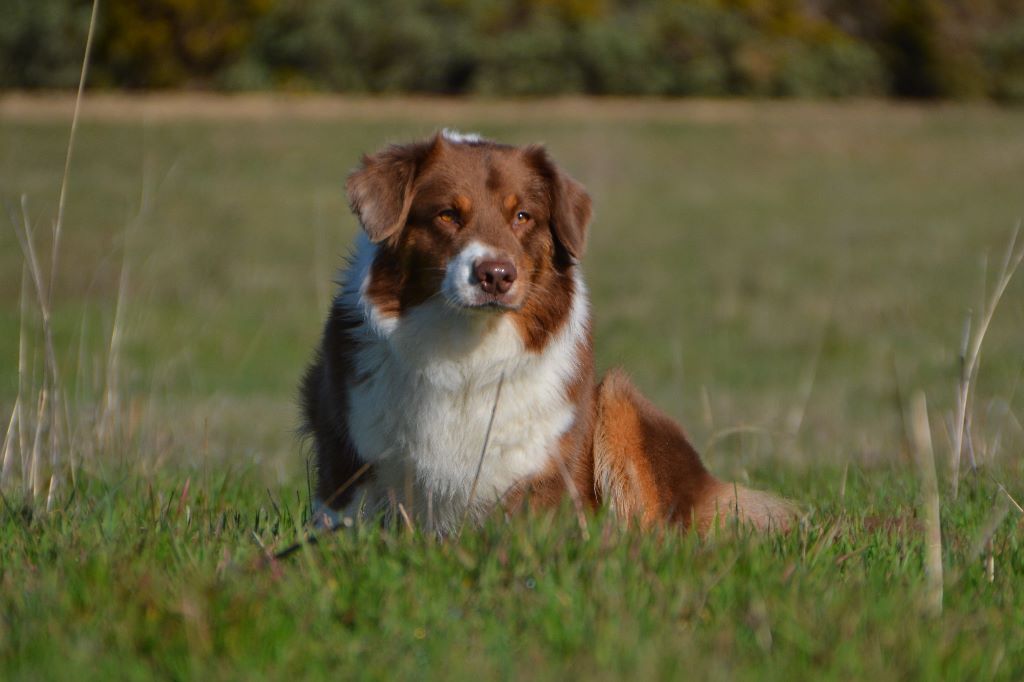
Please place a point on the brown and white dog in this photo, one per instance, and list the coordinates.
(464, 284)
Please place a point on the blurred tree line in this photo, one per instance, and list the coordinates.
(907, 48)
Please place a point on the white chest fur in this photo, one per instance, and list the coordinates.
(426, 388)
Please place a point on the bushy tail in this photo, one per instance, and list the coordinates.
(646, 470)
(726, 503)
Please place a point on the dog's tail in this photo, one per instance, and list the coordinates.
(727, 503)
(646, 470)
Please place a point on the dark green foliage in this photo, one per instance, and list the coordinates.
(385, 46)
(923, 58)
(41, 42)
(938, 48)
(668, 49)
(537, 58)
(831, 48)
(1003, 52)
(168, 43)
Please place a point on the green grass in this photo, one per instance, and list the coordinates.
(754, 267)
(134, 580)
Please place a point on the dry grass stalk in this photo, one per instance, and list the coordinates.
(62, 198)
(108, 421)
(808, 376)
(35, 461)
(405, 518)
(574, 496)
(18, 411)
(7, 467)
(52, 416)
(922, 438)
(705, 402)
(48, 414)
(483, 452)
(23, 370)
(347, 484)
(842, 481)
(982, 545)
(1010, 497)
(970, 354)
(985, 546)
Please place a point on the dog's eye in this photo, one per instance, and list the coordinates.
(449, 216)
(522, 217)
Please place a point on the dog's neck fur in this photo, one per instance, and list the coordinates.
(422, 392)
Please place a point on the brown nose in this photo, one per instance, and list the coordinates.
(495, 276)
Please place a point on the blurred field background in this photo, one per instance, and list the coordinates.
(784, 267)
(792, 274)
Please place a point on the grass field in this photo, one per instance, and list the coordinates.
(784, 278)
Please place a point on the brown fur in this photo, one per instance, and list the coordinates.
(620, 450)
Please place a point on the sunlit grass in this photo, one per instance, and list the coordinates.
(784, 278)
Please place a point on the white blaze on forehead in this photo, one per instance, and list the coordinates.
(459, 284)
(455, 137)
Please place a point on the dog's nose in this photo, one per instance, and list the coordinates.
(495, 276)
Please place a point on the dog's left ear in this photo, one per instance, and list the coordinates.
(572, 215)
(569, 204)
(380, 190)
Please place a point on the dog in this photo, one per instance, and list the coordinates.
(456, 370)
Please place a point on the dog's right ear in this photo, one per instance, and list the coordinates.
(380, 190)
(570, 203)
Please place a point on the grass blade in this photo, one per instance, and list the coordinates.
(922, 437)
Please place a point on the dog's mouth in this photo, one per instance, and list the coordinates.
(481, 279)
(490, 304)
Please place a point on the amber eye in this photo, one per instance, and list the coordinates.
(449, 216)
(523, 217)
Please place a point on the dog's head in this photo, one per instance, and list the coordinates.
(484, 226)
